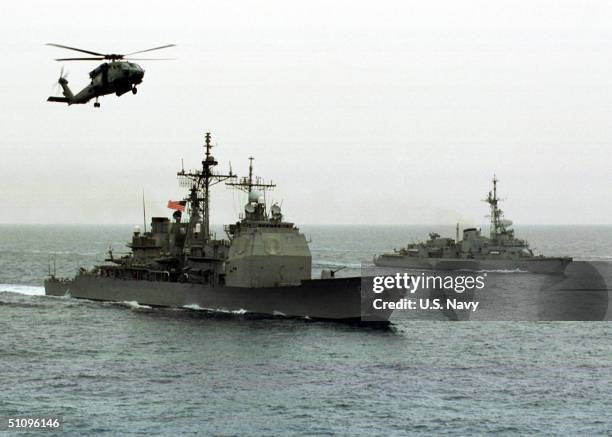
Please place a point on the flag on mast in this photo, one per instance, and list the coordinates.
(178, 205)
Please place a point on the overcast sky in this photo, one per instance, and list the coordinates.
(361, 111)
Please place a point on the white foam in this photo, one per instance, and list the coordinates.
(336, 264)
(134, 305)
(23, 289)
(197, 307)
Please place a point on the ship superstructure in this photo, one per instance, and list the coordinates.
(262, 242)
(182, 251)
(501, 242)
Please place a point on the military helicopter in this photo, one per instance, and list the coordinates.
(117, 76)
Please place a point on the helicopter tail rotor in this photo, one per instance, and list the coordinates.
(63, 79)
(62, 83)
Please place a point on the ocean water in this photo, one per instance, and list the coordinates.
(123, 368)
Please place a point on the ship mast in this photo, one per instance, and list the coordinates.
(199, 183)
(248, 184)
(497, 225)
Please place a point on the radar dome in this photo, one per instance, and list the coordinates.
(254, 196)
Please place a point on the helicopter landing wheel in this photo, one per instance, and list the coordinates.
(97, 105)
(134, 90)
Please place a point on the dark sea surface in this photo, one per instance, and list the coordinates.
(122, 368)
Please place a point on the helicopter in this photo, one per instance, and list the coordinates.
(117, 76)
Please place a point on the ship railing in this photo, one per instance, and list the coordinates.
(165, 275)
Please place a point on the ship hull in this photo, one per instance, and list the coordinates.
(544, 265)
(337, 299)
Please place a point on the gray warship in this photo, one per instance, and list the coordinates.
(262, 267)
(500, 251)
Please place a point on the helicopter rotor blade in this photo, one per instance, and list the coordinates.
(89, 52)
(150, 59)
(81, 59)
(150, 50)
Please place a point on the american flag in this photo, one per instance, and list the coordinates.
(178, 205)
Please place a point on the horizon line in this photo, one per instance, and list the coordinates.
(313, 224)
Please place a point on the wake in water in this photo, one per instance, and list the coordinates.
(196, 307)
(30, 290)
(132, 304)
(335, 264)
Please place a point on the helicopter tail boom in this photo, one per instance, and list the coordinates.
(57, 99)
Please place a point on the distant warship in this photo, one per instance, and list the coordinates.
(501, 251)
(263, 267)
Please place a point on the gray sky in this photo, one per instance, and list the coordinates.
(361, 111)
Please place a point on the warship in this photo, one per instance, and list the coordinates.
(500, 251)
(263, 266)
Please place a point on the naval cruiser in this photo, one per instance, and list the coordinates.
(262, 267)
(500, 251)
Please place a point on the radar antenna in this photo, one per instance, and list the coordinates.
(247, 183)
(255, 209)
